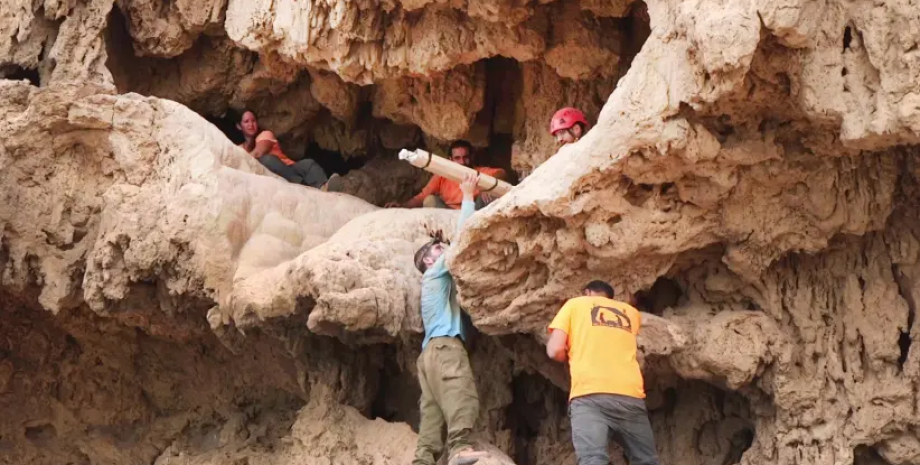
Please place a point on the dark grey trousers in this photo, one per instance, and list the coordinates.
(435, 201)
(598, 417)
(306, 171)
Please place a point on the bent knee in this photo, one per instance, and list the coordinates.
(433, 201)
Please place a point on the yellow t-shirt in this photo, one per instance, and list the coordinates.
(601, 346)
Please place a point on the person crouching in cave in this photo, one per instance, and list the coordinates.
(448, 390)
(441, 192)
(568, 125)
(597, 335)
(263, 146)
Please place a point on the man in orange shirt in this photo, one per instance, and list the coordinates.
(444, 193)
(597, 335)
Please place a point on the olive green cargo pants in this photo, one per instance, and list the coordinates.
(448, 396)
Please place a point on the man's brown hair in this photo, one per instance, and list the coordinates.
(437, 237)
(422, 253)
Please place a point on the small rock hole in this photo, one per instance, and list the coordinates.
(663, 294)
(41, 434)
(18, 73)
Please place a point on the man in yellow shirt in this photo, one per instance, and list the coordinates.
(597, 335)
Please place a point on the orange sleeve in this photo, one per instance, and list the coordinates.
(433, 187)
(563, 319)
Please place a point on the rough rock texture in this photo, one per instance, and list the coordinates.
(365, 42)
(750, 183)
(168, 30)
(758, 183)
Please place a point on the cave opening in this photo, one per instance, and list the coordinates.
(665, 293)
(537, 407)
(904, 338)
(226, 123)
(397, 395)
(636, 30)
(498, 154)
(331, 161)
(18, 73)
(847, 38)
(497, 116)
(717, 424)
(867, 455)
(214, 75)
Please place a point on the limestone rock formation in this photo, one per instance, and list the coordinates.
(172, 197)
(367, 42)
(168, 33)
(750, 182)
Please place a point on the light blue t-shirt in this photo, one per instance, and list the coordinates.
(440, 310)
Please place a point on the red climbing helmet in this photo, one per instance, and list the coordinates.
(565, 118)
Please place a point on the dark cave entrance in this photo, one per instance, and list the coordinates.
(398, 392)
(18, 73)
(227, 125)
(868, 455)
(664, 293)
(537, 406)
(331, 161)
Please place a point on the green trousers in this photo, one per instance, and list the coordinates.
(448, 397)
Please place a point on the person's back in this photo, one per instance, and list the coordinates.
(597, 335)
(602, 347)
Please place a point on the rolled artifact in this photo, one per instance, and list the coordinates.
(453, 171)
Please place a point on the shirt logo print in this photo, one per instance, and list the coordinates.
(610, 317)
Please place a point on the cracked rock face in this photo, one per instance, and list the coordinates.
(749, 181)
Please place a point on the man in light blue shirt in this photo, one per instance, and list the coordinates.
(448, 390)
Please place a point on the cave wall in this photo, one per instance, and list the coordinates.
(165, 298)
(563, 53)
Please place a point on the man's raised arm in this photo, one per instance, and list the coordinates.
(468, 187)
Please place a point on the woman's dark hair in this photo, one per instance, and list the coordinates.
(237, 116)
(600, 286)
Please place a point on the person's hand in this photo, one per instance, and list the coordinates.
(489, 197)
(468, 186)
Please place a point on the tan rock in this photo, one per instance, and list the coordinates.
(357, 43)
(341, 98)
(169, 31)
(135, 148)
(582, 46)
(382, 180)
(443, 106)
(757, 156)
(362, 281)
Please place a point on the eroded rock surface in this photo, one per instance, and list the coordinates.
(750, 181)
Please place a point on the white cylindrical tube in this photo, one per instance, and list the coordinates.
(453, 171)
